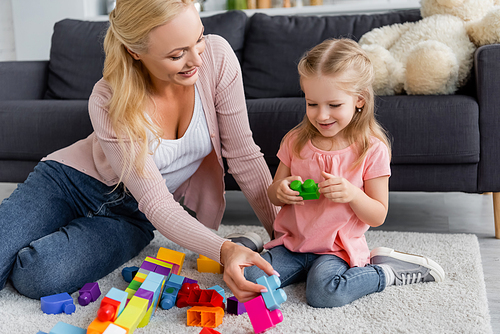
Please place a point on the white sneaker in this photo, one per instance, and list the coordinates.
(249, 239)
(407, 268)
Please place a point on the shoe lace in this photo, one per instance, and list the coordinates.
(411, 278)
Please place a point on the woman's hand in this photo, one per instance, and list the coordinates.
(235, 258)
(285, 194)
(337, 189)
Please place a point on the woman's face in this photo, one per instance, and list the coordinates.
(173, 56)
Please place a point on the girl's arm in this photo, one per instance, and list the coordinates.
(279, 191)
(370, 206)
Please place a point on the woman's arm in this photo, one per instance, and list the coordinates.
(244, 158)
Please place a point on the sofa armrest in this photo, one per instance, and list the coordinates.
(23, 80)
(487, 65)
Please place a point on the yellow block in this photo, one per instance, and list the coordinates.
(206, 265)
(170, 255)
(147, 317)
(132, 314)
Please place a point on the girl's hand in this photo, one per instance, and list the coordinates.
(285, 194)
(337, 189)
(235, 258)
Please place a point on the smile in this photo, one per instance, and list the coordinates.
(326, 125)
(189, 73)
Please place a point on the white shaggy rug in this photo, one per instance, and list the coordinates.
(457, 305)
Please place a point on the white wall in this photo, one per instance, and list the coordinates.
(7, 45)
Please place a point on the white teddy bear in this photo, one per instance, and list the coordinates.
(433, 55)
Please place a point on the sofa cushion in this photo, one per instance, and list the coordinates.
(441, 129)
(76, 59)
(77, 55)
(33, 129)
(275, 44)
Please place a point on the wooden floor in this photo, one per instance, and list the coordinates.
(416, 212)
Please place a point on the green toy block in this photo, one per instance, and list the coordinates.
(308, 190)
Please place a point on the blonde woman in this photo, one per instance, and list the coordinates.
(169, 107)
(340, 145)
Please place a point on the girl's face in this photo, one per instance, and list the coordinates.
(175, 48)
(329, 108)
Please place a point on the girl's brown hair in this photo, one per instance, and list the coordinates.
(336, 57)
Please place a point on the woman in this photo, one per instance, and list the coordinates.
(169, 107)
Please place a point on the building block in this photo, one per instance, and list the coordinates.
(132, 314)
(261, 318)
(114, 329)
(97, 326)
(234, 306)
(308, 190)
(40, 332)
(89, 293)
(170, 291)
(203, 316)
(189, 280)
(208, 298)
(109, 309)
(64, 328)
(112, 305)
(183, 294)
(274, 296)
(58, 303)
(206, 265)
(207, 330)
(220, 290)
(128, 273)
(171, 256)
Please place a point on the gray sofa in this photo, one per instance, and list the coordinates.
(440, 143)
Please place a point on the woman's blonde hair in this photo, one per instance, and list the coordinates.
(346, 61)
(130, 24)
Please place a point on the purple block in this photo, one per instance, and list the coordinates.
(234, 306)
(146, 294)
(89, 293)
(162, 271)
(189, 280)
(148, 266)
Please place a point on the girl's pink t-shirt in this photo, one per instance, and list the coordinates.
(322, 226)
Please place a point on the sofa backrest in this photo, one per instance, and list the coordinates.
(275, 44)
(77, 55)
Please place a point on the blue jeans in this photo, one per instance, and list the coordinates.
(330, 282)
(62, 228)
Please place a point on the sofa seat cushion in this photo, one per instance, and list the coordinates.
(33, 129)
(77, 54)
(275, 44)
(431, 129)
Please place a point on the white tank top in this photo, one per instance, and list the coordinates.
(178, 159)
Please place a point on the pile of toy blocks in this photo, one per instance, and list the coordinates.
(157, 283)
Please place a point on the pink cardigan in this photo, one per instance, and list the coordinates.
(221, 89)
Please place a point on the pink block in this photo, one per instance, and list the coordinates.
(260, 317)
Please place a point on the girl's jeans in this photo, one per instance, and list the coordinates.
(62, 228)
(330, 282)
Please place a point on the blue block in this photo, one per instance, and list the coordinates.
(220, 290)
(274, 296)
(58, 303)
(170, 291)
(128, 273)
(64, 328)
(118, 295)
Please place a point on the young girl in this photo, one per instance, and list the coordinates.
(340, 145)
